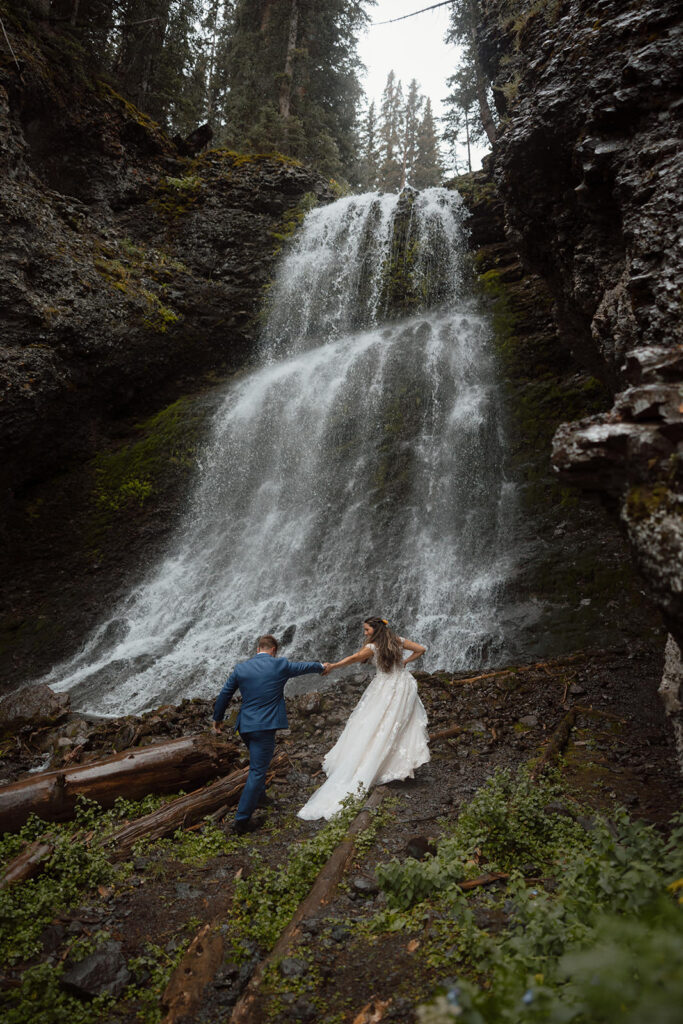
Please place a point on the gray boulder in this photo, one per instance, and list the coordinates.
(103, 972)
(32, 705)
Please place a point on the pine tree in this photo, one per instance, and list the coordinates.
(391, 135)
(368, 172)
(293, 79)
(465, 18)
(411, 128)
(408, 141)
(428, 168)
(462, 121)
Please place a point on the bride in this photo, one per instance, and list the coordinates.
(385, 737)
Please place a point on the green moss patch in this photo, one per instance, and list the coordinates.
(144, 469)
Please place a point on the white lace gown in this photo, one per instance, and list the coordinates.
(384, 739)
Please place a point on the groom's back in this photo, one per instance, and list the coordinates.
(261, 681)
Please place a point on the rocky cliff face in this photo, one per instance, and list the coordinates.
(129, 277)
(590, 167)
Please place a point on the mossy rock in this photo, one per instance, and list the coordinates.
(143, 470)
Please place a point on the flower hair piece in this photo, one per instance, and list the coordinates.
(385, 621)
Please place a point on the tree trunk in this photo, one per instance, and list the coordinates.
(467, 136)
(481, 82)
(162, 768)
(187, 810)
(286, 84)
(484, 108)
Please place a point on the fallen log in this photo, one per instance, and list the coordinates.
(556, 744)
(161, 768)
(246, 1009)
(27, 864)
(187, 810)
(186, 985)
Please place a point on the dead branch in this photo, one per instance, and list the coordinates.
(324, 888)
(474, 883)
(445, 734)
(29, 863)
(514, 669)
(556, 744)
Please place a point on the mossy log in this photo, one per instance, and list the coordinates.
(161, 768)
(556, 744)
(187, 810)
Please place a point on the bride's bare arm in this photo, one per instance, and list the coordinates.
(363, 655)
(417, 651)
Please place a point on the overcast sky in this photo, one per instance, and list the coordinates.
(414, 48)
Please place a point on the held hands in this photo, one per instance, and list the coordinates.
(327, 668)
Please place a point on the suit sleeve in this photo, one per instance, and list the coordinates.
(302, 668)
(225, 696)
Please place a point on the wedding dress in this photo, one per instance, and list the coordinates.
(384, 739)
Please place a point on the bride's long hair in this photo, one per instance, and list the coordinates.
(388, 645)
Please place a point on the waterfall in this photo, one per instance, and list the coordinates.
(357, 470)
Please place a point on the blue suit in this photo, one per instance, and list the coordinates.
(261, 681)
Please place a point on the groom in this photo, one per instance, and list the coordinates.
(261, 681)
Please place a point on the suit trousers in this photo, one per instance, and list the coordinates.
(261, 747)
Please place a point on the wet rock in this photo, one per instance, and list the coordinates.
(311, 704)
(52, 937)
(529, 720)
(303, 1010)
(364, 886)
(102, 973)
(577, 690)
(187, 892)
(419, 847)
(34, 705)
(671, 691)
(591, 178)
(292, 967)
(340, 933)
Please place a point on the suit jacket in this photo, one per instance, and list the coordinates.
(261, 681)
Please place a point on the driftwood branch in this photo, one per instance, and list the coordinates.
(474, 883)
(187, 810)
(324, 887)
(556, 744)
(27, 864)
(514, 669)
(161, 768)
(446, 734)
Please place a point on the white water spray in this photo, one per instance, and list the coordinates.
(358, 471)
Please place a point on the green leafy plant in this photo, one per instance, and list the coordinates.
(265, 901)
(76, 867)
(599, 943)
(505, 825)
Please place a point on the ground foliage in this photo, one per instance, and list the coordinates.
(591, 893)
(596, 936)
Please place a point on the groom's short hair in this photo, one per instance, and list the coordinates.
(267, 641)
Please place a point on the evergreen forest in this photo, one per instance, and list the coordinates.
(266, 76)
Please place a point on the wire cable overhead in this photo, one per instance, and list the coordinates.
(444, 3)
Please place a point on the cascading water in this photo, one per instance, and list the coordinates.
(357, 471)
